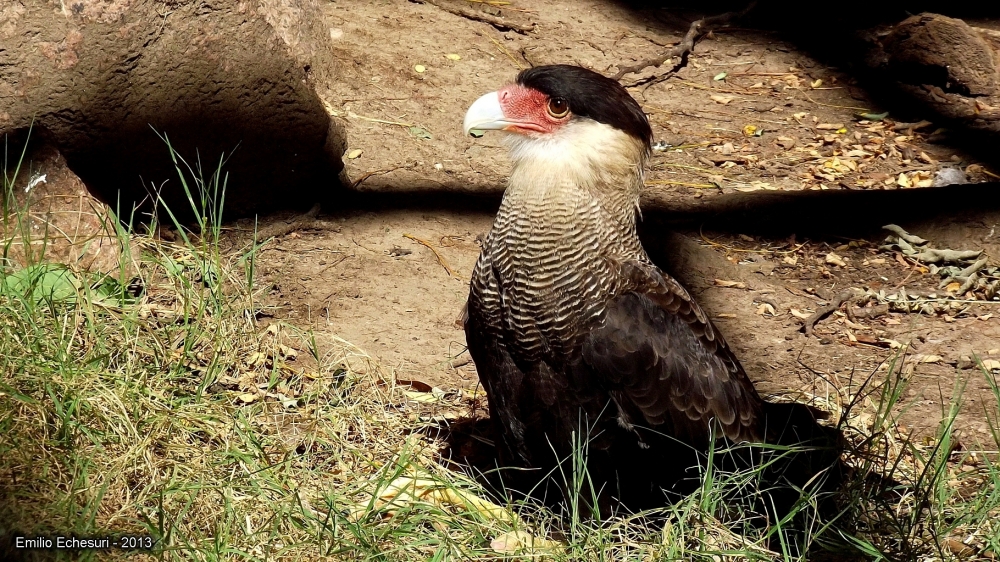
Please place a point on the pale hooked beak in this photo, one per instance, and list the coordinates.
(486, 114)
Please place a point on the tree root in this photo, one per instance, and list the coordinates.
(686, 46)
(305, 220)
(500, 23)
(810, 323)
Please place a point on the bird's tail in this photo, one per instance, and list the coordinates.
(806, 461)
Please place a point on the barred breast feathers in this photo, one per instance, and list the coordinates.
(567, 217)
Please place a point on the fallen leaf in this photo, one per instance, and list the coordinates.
(515, 542)
(408, 489)
(730, 284)
(991, 364)
(953, 287)
(720, 76)
(423, 397)
(903, 181)
(420, 133)
(419, 386)
(247, 397)
(873, 116)
(256, 359)
(931, 359)
(816, 83)
(867, 339)
(354, 153)
(722, 99)
(453, 56)
(830, 126)
(785, 142)
(798, 314)
(287, 352)
(790, 260)
(765, 308)
(834, 259)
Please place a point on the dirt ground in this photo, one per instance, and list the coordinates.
(393, 280)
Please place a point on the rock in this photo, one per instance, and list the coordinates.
(940, 51)
(949, 175)
(65, 223)
(102, 77)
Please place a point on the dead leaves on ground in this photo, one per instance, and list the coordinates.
(863, 149)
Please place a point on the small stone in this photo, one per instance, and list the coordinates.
(826, 340)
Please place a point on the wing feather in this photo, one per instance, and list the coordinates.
(657, 349)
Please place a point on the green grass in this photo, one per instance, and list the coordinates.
(172, 412)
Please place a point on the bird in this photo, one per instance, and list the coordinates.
(579, 339)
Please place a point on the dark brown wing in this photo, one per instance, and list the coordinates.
(502, 380)
(666, 366)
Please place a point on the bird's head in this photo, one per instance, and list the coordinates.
(563, 119)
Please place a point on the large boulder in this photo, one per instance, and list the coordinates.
(105, 79)
(944, 52)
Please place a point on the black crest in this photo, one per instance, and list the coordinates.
(590, 95)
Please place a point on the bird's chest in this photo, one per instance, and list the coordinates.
(545, 275)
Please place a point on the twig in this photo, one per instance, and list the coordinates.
(367, 175)
(498, 22)
(440, 259)
(822, 313)
(686, 45)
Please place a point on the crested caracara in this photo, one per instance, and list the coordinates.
(576, 335)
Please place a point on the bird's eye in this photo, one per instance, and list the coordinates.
(558, 108)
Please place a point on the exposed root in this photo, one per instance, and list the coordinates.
(686, 46)
(500, 23)
(440, 259)
(810, 323)
(305, 220)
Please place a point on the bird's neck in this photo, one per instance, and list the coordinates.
(592, 165)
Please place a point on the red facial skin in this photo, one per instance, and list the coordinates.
(527, 109)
